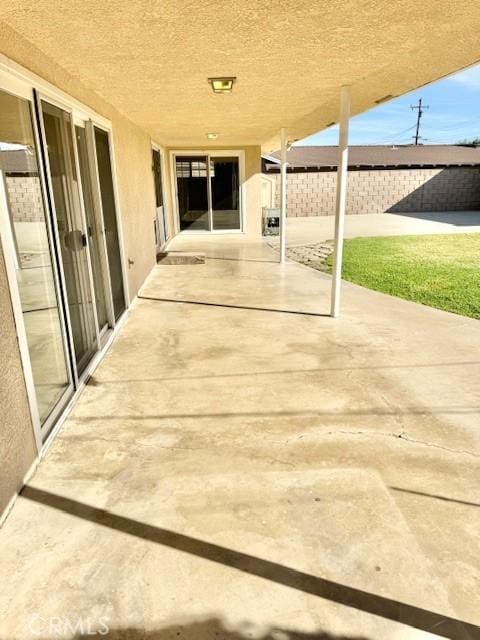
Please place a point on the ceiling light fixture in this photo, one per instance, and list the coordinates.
(212, 136)
(222, 85)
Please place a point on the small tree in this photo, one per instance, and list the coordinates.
(474, 142)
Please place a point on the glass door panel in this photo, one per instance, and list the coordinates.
(94, 229)
(57, 126)
(224, 177)
(107, 194)
(21, 196)
(192, 190)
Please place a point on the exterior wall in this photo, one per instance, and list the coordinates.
(386, 190)
(252, 183)
(253, 190)
(132, 160)
(17, 444)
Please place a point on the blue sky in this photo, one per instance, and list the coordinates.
(453, 115)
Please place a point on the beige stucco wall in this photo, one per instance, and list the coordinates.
(252, 185)
(17, 444)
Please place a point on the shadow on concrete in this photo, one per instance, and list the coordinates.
(241, 259)
(441, 188)
(235, 306)
(435, 496)
(94, 382)
(312, 413)
(371, 603)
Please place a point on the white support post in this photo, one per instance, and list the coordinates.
(341, 201)
(283, 193)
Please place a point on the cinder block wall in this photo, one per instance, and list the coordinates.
(25, 198)
(385, 190)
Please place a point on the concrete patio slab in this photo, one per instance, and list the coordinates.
(243, 466)
(316, 229)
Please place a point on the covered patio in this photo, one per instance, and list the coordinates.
(241, 465)
(222, 459)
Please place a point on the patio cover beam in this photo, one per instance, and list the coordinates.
(341, 199)
(283, 193)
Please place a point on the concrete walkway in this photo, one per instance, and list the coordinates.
(302, 231)
(242, 466)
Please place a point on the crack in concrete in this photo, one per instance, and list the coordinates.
(385, 434)
(438, 446)
(145, 445)
(398, 436)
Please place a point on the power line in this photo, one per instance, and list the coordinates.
(392, 136)
(459, 125)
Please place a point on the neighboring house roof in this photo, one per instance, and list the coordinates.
(17, 161)
(380, 156)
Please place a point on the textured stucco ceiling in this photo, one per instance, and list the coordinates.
(151, 59)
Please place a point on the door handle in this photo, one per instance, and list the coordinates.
(75, 240)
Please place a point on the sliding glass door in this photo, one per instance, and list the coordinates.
(208, 192)
(193, 192)
(60, 240)
(30, 255)
(71, 230)
(225, 189)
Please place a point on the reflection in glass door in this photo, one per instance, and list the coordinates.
(26, 230)
(58, 131)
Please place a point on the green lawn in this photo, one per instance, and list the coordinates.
(441, 271)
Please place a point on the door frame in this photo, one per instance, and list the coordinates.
(99, 228)
(99, 220)
(97, 122)
(163, 166)
(41, 431)
(39, 98)
(210, 153)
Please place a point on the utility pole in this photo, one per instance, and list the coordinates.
(420, 108)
